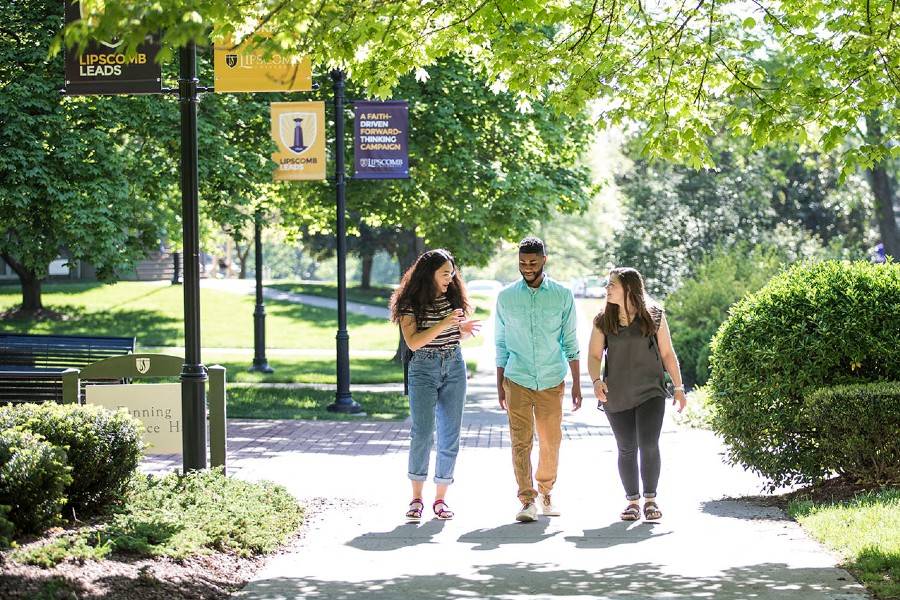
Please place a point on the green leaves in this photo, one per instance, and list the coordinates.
(814, 326)
(691, 61)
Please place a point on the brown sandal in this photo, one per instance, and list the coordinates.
(651, 511)
(444, 513)
(631, 513)
(414, 514)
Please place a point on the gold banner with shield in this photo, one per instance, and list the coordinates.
(298, 129)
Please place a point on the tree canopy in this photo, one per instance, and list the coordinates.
(480, 170)
(774, 70)
(64, 166)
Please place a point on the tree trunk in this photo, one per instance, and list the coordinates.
(409, 248)
(365, 280)
(30, 282)
(366, 252)
(242, 259)
(883, 190)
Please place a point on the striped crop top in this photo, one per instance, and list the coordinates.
(434, 312)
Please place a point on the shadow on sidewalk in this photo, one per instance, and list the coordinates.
(402, 536)
(615, 534)
(771, 581)
(512, 533)
(743, 509)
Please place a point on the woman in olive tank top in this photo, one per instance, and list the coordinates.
(632, 335)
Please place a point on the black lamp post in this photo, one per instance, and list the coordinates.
(193, 373)
(260, 363)
(343, 401)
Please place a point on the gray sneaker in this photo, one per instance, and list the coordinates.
(528, 513)
(547, 507)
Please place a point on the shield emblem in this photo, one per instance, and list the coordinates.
(298, 130)
(100, 6)
(231, 60)
(142, 365)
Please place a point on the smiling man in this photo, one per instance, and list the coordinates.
(535, 336)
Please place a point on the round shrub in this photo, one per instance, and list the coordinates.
(103, 447)
(815, 325)
(856, 430)
(33, 479)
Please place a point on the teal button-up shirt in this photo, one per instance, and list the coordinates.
(535, 333)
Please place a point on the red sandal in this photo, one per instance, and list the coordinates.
(414, 514)
(444, 513)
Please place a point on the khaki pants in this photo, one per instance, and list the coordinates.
(529, 409)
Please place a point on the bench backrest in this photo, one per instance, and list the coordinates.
(59, 351)
(33, 385)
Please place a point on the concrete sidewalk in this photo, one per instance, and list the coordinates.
(356, 543)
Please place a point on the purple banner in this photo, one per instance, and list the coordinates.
(379, 140)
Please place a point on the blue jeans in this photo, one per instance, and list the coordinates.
(437, 386)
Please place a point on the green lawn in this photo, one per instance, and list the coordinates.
(280, 403)
(311, 369)
(307, 369)
(153, 312)
(866, 531)
(378, 296)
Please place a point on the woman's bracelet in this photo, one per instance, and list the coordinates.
(598, 379)
(679, 388)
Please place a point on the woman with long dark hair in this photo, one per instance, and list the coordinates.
(432, 309)
(632, 332)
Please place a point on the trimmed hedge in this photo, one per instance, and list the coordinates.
(815, 325)
(856, 429)
(33, 479)
(102, 447)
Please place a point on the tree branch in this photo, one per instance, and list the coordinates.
(774, 18)
(712, 9)
(587, 27)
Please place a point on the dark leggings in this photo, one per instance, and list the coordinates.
(636, 429)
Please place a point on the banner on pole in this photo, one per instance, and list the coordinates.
(243, 69)
(380, 148)
(103, 69)
(298, 129)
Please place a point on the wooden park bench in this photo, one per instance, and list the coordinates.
(32, 366)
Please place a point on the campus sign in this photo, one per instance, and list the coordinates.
(380, 140)
(242, 69)
(156, 405)
(102, 68)
(298, 129)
